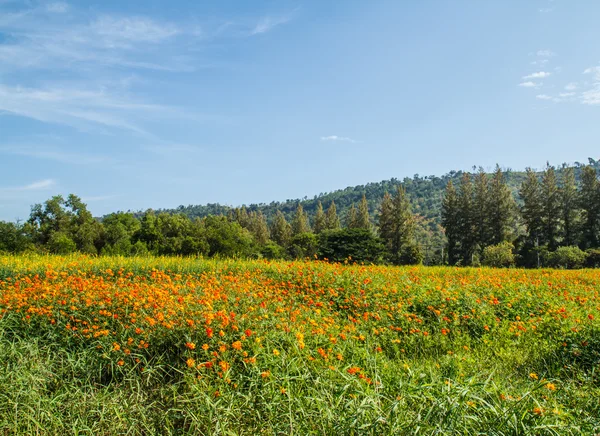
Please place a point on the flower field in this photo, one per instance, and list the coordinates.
(186, 346)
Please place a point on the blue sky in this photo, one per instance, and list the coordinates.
(149, 104)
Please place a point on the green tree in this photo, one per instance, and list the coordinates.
(358, 245)
(551, 208)
(363, 219)
(481, 210)
(331, 218)
(352, 218)
(532, 209)
(569, 207)
(450, 222)
(300, 222)
(502, 209)
(281, 231)
(466, 220)
(258, 227)
(398, 231)
(589, 201)
(320, 222)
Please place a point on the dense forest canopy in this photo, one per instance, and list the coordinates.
(500, 218)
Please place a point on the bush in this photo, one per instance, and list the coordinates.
(411, 254)
(273, 251)
(593, 258)
(61, 243)
(499, 255)
(360, 245)
(303, 245)
(567, 257)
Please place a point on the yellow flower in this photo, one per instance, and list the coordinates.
(276, 352)
(533, 375)
(190, 363)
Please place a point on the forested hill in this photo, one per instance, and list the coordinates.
(425, 192)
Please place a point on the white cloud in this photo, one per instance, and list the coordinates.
(83, 108)
(571, 86)
(543, 97)
(591, 96)
(545, 53)
(120, 32)
(57, 7)
(53, 154)
(35, 186)
(529, 84)
(566, 94)
(268, 23)
(538, 75)
(337, 138)
(545, 10)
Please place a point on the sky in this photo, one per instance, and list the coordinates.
(153, 104)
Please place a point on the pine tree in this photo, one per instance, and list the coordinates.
(352, 218)
(320, 222)
(532, 208)
(589, 201)
(300, 222)
(481, 210)
(570, 208)
(363, 218)
(551, 208)
(450, 222)
(386, 226)
(281, 231)
(331, 218)
(466, 220)
(242, 217)
(397, 227)
(258, 227)
(502, 208)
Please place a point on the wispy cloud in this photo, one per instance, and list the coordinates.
(545, 53)
(543, 97)
(267, 23)
(337, 138)
(545, 10)
(538, 75)
(35, 186)
(57, 7)
(571, 86)
(95, 198)
(52, 154)
(530, 84)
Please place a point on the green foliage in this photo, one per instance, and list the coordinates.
(61, 243)
(499, 255)
(410, 254)
(359, 245)
(303, 245)
(567, 257)
(228, 239)
(593, 258)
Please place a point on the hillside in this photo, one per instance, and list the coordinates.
(426, 193)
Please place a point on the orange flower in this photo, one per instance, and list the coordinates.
(190, 345)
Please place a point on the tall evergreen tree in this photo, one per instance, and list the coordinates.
(569, 206)
(481, 210)
(281, 231)
(501, 209)
(532, 209)
(551, 208)
(258, 227)
(466, 220)
(352, 218)
(331, 218)
(320, 223)
(450, 222)
(397, 227)
(300, 222)
(363, 219)
(589, 201)
(386, 225)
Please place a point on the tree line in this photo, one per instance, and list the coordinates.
(556, 222)
(551, 218)
(65, 225)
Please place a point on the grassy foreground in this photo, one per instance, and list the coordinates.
(183, 346)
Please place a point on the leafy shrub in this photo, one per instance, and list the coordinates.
(303, 245)
(499, 255)
(593, 258)
(411, 254)
(361, 245)
(567, 257)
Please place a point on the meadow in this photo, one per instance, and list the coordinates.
(151, 345)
